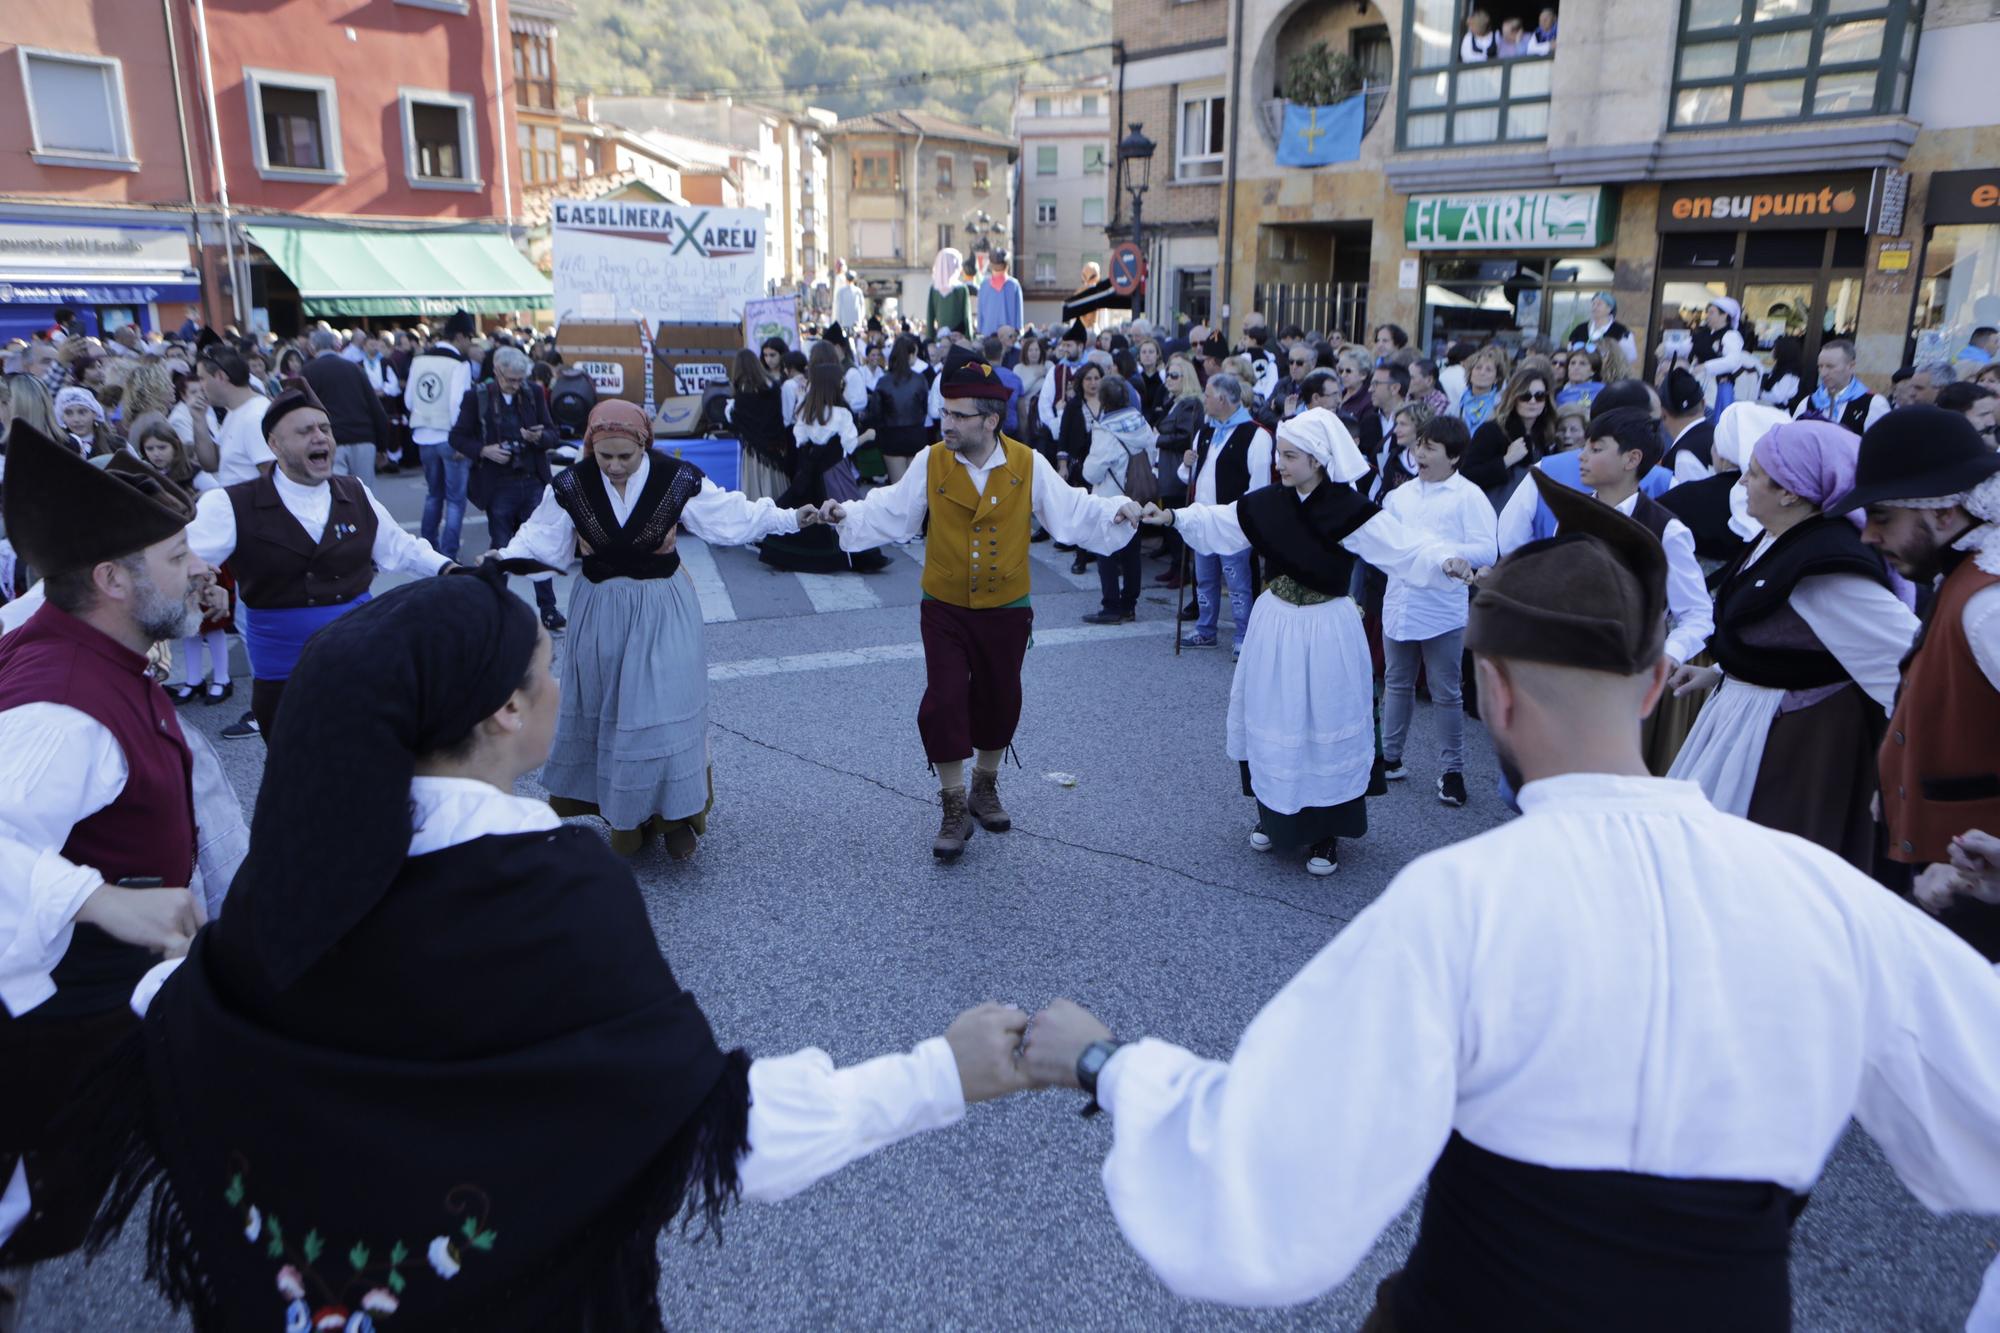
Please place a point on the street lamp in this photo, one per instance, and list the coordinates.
(983, 225)
(1135, 172)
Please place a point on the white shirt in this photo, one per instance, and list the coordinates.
(182, 420)
(1383, 541)
(790, 394)
(1258, 457)
(381, 375)
(1673, 1040)
(1457, 513)
(1878, 407)
(1687, 467)
(839, 422)
(1690, 612)
(239, 442)
(847, 308)
(718, 517)
(895, 513)
(459, 382)
(854, 389)
(213, 532)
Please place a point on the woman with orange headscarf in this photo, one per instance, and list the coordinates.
(632, 736)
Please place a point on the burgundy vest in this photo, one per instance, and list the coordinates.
(149, 830)
(277, 565)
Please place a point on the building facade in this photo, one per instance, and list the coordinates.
(355, 165)
(1064, 129)
(907, 184)
(1173, 81)
(1819, 161)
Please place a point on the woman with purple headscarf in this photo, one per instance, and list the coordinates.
(1808, 638)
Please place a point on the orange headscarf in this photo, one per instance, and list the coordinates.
(615, 416)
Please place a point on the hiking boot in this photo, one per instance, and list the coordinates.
(954, 828)
(984, 802)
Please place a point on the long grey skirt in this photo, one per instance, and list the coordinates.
(632, 734)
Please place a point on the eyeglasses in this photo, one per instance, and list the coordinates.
(1173, 374)
(1535, 396)
(963, 416)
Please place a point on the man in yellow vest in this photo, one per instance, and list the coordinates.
(984, 493)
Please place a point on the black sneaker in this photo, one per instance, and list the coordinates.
(242, 729)
(1393, 770)
(1103, 618)
(1451, 789)
(553, 620)
(1325, 858)
(181, 694)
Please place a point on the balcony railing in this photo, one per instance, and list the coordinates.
(1495, 101)
(1320, 307)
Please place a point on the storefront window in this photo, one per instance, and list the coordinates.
(1959, 291)
(1507, 299)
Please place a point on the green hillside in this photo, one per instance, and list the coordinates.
(684, 46)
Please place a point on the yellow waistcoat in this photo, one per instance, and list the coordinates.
(976, 554)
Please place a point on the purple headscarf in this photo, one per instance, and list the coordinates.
(1814, 460)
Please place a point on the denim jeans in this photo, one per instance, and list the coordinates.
(1209, 573)
(514, 498)
(1118, 578)
(1441, 657)
(445, 473)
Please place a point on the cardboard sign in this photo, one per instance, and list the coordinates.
(771, 317)
(627, 259)
(691, 377)
(608, 376)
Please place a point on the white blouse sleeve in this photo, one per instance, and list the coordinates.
(888, 515)
(58, 767)
(548, 536)
(1516, 523)
(1211, 529)
(212, 534)
(1480, 544)
(1401, 551)
(729, 518)
(809, 1119)
(400, 552)
(1073, 515)
(1863, 624)
(850, 439)
(1690, 612)
(1264, 1180)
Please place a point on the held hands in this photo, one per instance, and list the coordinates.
(832, 512)
(1129, 514)
(1687, 680)
(984, 1041)
(162, 920)
(1155, 517)
(807, 516)
(1458, 567)
(1054, 1039)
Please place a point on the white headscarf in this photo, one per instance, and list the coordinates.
(1736, 434)
(1730, 307)
(945, 270)
(1318, 432)
(72, 394)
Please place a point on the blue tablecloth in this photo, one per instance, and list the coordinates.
(720, 459)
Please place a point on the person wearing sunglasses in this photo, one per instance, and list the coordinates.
(1521, 431)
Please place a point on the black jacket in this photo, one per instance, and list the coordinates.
(353, 408)
(482, 422)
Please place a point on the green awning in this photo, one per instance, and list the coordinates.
(364, 271)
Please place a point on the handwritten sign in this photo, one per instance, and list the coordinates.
(771, 317)
(694, 376)
(608, 376)
(656, 262)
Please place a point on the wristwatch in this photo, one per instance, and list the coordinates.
(1089, 1065)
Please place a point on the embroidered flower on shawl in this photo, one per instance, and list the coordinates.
(444, 1257)
(298, 1318)
(289, 1282)
(379, 1301)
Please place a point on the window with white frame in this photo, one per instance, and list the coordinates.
(76, 110)
(1045, 212)
(1198, 145)
(1045, 269)
(440, 147)
(1093, 212)
(1047, 161)
(294, 125)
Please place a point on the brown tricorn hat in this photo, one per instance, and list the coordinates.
(64, 513)
(1593, 596)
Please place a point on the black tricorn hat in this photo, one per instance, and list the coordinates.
(64, 513)
(1216, 346)
(967, 375)
(1075, 333)
(1918, 453)
(1594, 596)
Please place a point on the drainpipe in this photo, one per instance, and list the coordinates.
(180, 111)
(1235, 105)
(504, 149)
(215, 152)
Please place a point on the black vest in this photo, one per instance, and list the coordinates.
(1509, 1244)
(1232, 465)
(1704, 507)
(277, 565)
(628, 551)
(1301, 538)
(1653, 515)
(1750, 595)
(1853, 415)
(1699, 440)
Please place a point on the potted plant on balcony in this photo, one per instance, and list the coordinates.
(1320, 76)
(1318, 118)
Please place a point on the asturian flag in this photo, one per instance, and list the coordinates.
(1316, 136)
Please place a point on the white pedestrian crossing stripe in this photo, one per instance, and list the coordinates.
(699, 562)
(839, 592)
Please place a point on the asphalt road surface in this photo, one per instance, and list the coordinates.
(814, 915)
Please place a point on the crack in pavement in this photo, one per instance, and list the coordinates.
(928, 801)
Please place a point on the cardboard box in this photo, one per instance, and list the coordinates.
(611, 352)
(687, 358)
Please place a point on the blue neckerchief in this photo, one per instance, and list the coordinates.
(1235, 419)
(1828, 406)
(1476, 409)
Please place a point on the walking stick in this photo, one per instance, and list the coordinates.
(1180, 594)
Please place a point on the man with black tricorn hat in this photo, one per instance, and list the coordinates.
(97, 817)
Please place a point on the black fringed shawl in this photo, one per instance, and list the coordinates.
(475, 1107)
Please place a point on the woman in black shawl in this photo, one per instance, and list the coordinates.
(429, 1069)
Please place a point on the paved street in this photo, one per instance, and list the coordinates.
(815, 915)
